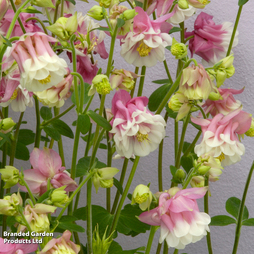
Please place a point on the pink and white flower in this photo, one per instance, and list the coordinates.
(145, 45)
(61, 245)
(136, 130)
(47, 164)
(220, 136)
(17, 248)
(210, 41)
(179, 217)
(40, 68)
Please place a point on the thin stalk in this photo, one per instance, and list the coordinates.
(123, 172)
(28, 189)
(167, 71)
(241, 209)
(150, 239)
(158, 251)
(131, 5)
(142, 80)
(51, 143)
(176, 137)
(191, 146)
(62, 8)
(189, 176)
(177, 163)
(202, 111)
(109, 163)
(56, 10)
(41, 23)
(176, 251)
(15, 139)
(38, 123)
(16, 15)
(89, 217)
(48, 16)
(206, 210)
(127, 187)
(234, 30)
(135, 82)
(165, 248)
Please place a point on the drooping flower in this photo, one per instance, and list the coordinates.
(9, 204)
(61, 245)
(210, 41)
(220, 136)
(17, 248)
(40, 68)
(136, 130)
(47, 164)
(4, 5)
(179, 217)
(145, 45)
(142, 196)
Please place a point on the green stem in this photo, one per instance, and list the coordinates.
(142, 80)
(123, 172)
(62, 8)
(189, 176)
(28, 189)
(135, 82)
(56, 10)
(191, 146)
(38, 123)
(175, 251)
(234, 30)
(89, 218)
(206, 210)
(167, 71)
(165, 248)
(178, 158)
(41, 23)
(176, 137)
(15, 19)
(150, 239)
(158, 251)
(124, 195)
(202, 111)
(131, 5)
(109, 163)
(241, 209)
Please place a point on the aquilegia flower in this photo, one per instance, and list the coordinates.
(179, 217)
(136, 130)
(40, 68)
(145, 45)
(210, 41)
(47, 164)
(220, 136)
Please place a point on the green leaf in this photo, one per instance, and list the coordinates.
(68, 218)
(86, 97)
(7, 42)
(138, 3)
(175, 29)
(242, 2)
(101, 121)
(71, 226)
(120, 22)
(222, 220)
(248, 222)
(128, 221)
(186, 146)
(118, 185)
(82, 166)
(115, 248)
(72, 1)
(102, 28)
(173, 170)
(26, 136)
(52, 132)
(84, 123)
(46, 113)
(168, 48)
(102, 146)
(63, 128)
(80, 213)
(157, 96)
(5, 138)
(186, 163)
(22, 152)
(44, 196)
(232, 207)
(171, 113)
(161, 81)
(30, 9)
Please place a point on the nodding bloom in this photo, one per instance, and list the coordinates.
(179, 217)
(17, 248)
(220, 136)
(226, 105)
(136, 131)
(210, 41)
(145, 45)
(40, 68)
(47, 164)
(30, 25)
(61, 245)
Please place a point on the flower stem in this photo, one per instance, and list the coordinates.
(150, 239)
(175, 251)
(241, 209)
(135, 81)
(167, 71)
(38, 123)
(191, 146)
(142, 80)
(158, 251)
(234, 30)
(62, 8)
(176, 137)
(41, 23)
(165, 248)
(206, 210)
(124, 195)
(28, 189)
(89, 218)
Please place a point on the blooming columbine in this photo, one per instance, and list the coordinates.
(47, 164)
(210, 41)
(220, 136)
(146, 43)
(179, 217)
(40, 68)
(136, 130)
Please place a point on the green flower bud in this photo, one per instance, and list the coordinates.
(183, 4)
(203, 169)
(59, 197)
(129, 14)
(180, 175)
(179, 50)
(142, 196)
(10, 175)
(101, 84)
(7, 124)
(197, 181)
(250, 132)
(215, 96)
(9, 205)
(96, 12)
(43, 3)
(105, 3)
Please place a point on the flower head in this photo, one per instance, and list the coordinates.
(9, 204)
(143, 196)
(179, 217)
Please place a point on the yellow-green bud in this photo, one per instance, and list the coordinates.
(203, 169)
(105, 3)
(250, 132)
(180, 175)
(9, 205)
(129, 14)
(10, 175)
(101, 84)
(174, 102)
(197, 181)
(183, 4)
(179, 50)
(96, 12)
(172, 191)
(215, 96)
(59, 197)
(6, 124)
(142, 196)
(43, 3)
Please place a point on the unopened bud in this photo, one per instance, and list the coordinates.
(4, 5)
(172, 191)
(179, 50)
(96, 12)
(101, 84)
(215, 96)
(197, 181)
(9, 205)
(183, 4)
(250, 132)
(129, 14)
(59, 197)
(180, 175)
(203, 169)
(10, 175)
(142, 196)
(43, 3)
(7, 124)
